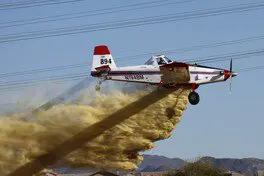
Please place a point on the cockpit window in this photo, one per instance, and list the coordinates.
(167, 59)
(161, 61)
(149, 62)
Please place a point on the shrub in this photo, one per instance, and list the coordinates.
(197, 168)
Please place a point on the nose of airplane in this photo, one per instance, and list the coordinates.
(234, 74)
(228, 74)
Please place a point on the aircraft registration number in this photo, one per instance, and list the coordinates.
(134, 77)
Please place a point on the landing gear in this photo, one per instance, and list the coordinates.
(98, 86)
(194, 98)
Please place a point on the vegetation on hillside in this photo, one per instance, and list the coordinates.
(198, 168)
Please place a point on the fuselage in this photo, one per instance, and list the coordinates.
(158, 70)
(150, 72)
(152, 75)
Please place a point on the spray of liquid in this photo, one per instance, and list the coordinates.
(23, 137)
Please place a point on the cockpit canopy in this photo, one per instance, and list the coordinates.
(158, 60)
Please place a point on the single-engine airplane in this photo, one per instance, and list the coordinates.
(159, 71)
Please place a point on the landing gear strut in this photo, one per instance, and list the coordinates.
(98, 86)
(194, 98)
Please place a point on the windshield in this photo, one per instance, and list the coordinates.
(161, 61)
(167, 60)
(149, 62)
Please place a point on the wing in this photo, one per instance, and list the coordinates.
(175, 73)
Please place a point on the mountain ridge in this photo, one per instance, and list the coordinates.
(246, 166)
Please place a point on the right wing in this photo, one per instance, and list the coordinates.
(175, 73)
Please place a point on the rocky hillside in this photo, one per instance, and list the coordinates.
(153, 163)
(245, 166)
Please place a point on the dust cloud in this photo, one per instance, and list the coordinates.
(25, 136)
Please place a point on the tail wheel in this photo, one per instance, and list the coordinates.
(194, 98)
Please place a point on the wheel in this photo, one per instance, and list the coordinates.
(194, 98)
(97, 88)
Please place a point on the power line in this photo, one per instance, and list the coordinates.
(50, 78)
(84, 12)
(29, 82)
(134, 57)
(97, 12)
(228, 56)
(40, 70)
(247, 69)
(159, 17)
(193, 48)
(27, 4)
(130, 23)
(57, 81)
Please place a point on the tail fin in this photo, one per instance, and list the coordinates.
(102, 57)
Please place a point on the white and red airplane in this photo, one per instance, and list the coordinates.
(158, 70)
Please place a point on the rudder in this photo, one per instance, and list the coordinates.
(102, 57)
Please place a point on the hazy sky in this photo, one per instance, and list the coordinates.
(222, 125)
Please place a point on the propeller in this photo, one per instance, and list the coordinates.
(227, 74)
(231, 66)
(232, 74)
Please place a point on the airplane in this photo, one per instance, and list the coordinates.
(159, 71)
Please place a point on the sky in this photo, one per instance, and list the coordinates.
(221, 125)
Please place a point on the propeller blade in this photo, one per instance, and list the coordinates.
(231, 66)
(230, 85)
(231, 76)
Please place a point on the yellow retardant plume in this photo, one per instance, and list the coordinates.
(24, 137)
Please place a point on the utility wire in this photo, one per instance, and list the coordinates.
(97, 12)
(77, 13)
(40, 70)
(27, 83)
(18, 87)
(146, 18)
(134, 57)
(50, 78)
(12, 6)
(130, 23)
(222, 57)
(192, 48)
(25, 2)
(57, 81)
(247, 69)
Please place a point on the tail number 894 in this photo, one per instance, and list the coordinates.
(106, 61)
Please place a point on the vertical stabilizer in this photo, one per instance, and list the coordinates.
(102, 57)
